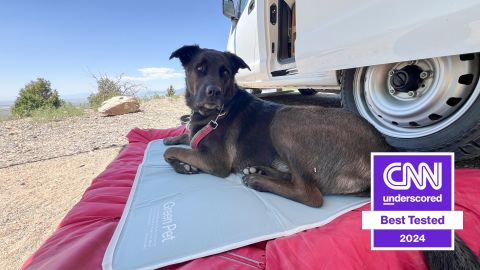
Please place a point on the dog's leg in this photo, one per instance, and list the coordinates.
(184, 160)
(296, 189)
(269, 171)
(180, 139)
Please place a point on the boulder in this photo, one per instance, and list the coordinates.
(119, 105)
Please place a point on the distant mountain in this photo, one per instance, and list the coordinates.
(76, 99)
(150, 93)
(5, 106)
(75, 96)
(6, 103)
(82, 98)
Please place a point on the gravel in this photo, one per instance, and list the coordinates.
(35, 194)
(34, 198)
(24, 141)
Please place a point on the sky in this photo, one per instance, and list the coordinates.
(67, 41)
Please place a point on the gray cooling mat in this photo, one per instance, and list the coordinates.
(171, 218)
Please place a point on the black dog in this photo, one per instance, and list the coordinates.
(298, 152)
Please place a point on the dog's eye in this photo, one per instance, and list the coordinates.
(201, 68)
(224, 73)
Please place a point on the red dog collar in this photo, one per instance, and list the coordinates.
(207, 129)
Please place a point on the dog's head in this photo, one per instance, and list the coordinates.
(210, 77)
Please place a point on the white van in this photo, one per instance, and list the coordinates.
(410, 68)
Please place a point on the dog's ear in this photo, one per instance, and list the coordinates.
(185, 53)
(236, 62)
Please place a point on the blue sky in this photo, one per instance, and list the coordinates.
(65, 41)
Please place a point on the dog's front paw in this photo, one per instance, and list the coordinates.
(253, 181)
(252, 170)
(184, 168)
(169, 141)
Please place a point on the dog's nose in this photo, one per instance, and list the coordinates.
(213, 91)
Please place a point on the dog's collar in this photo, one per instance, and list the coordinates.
(207, 129)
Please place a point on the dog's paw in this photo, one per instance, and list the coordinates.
(184, 168)
(253, 181)
(169, 141)
(252, 170)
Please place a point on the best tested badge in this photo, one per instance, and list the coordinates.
(412, 202)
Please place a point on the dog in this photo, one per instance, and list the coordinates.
(300, 153)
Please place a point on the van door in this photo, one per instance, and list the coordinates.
(246, 38)
(281, 37)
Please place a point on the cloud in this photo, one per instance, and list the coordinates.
(155, 73)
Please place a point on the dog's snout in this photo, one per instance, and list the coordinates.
(213, 91)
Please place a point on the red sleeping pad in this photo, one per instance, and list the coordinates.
(82, 237)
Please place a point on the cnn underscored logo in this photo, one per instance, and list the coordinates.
(419, 176)
(412, 202)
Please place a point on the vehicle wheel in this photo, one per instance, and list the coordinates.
(307, 91)
(424, 105)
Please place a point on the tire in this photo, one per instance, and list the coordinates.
(307, 91)
(461, 136)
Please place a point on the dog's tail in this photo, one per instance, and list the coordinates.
(460, 258)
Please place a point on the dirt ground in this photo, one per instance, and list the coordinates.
(36, 196)
(46, 167)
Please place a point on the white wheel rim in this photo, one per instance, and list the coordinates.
(430, 110)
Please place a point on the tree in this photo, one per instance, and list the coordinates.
(35, 95)
(170, 91)
(108, 87)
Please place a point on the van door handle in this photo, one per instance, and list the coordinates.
(251, 6)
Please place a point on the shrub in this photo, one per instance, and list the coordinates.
(35, 95)
(170, 91)
(110, 87)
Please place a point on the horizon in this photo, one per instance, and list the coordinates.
(82, 98)
(66, 43)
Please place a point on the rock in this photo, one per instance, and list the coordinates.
(119, 105)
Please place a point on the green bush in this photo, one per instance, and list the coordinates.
(110, 87)
(35, 95)
(170, 91)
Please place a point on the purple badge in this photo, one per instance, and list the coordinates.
(412, 202)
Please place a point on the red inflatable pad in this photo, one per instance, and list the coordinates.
(82, 237)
